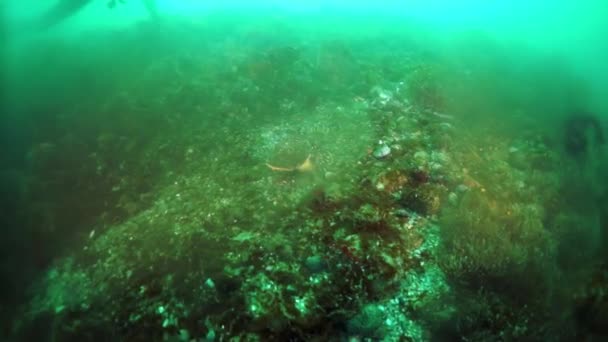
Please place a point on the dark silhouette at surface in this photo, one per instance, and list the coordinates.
(64, 9)
(60, 12)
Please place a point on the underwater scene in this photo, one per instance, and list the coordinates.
(303, 170)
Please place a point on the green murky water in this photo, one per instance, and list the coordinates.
(295, 171)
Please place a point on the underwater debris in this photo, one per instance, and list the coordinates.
(305, 166)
